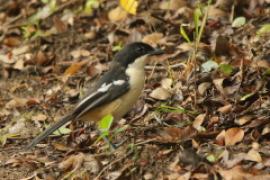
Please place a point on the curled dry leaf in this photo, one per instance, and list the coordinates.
(74, 68)
(253, 155)
(41, 58)
(198, 122)
(12, 41)
(19, 65)
(117, 14)
(233, 136)
(39, 117)
(175, 135)
(80, 160)
(160, 94)
(266, 130)
(225, 109)
(220, 139)
(229, 90)
(163, 92)
(16, 102)
(203, 87)
(80, 53)
(153, 39)
(243, 120)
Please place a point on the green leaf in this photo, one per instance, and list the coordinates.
(226, 69)
(5, 137)
(211, 158)
(265, 29)
(267, 72)
(62, 130)
(209, 65)
(90, 5)
(117, 47)
(238, 22)
(105, 123)
(184, 34)
(197, 15)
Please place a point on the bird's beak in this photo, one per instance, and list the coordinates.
(156, 52)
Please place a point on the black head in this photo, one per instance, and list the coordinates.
(133, 51)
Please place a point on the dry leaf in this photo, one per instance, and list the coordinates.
(117, 14)
(220, 139)
(41, 58)
(198, 121)
(19, 65)
(225, 109)
(203, 87)
(39, 117)
(243, 120)
(233, 136)
(74, 68)
(12, 41)
(160, 93)
(175, 135)
(163, 92)
(16, 102)
(80, 53)
(153, 39)
(253, 155)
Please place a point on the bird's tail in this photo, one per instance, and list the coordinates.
(50, 130)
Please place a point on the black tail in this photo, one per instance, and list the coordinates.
(50, 130)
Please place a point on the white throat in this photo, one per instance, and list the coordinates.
(135, 71)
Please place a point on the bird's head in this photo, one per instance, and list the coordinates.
(135, 52)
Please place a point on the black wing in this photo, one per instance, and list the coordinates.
(111, 86)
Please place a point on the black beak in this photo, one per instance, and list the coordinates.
(156, 52)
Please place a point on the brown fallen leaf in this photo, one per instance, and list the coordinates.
(16, 102)
(238, 173)
(73, 68)
(12, 41)
(164, 91)
(174, 135)
(117, 14)
(198, 122)
(203, 87)
(253, 155)
(78, 161)
(153, 39)
(233, 136)
(220, 139)
(225, 109)
(243, 120)
(39, 117)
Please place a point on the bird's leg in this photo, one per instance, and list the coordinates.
(112, 146)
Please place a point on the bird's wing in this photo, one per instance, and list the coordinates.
(114, 84)
(105, 94)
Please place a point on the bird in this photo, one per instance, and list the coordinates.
(114, 93)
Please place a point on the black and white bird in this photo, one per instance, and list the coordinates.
(115, 92)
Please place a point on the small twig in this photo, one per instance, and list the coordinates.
(109, 165)
(174, 66)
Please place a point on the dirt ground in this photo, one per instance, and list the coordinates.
(204, 112)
